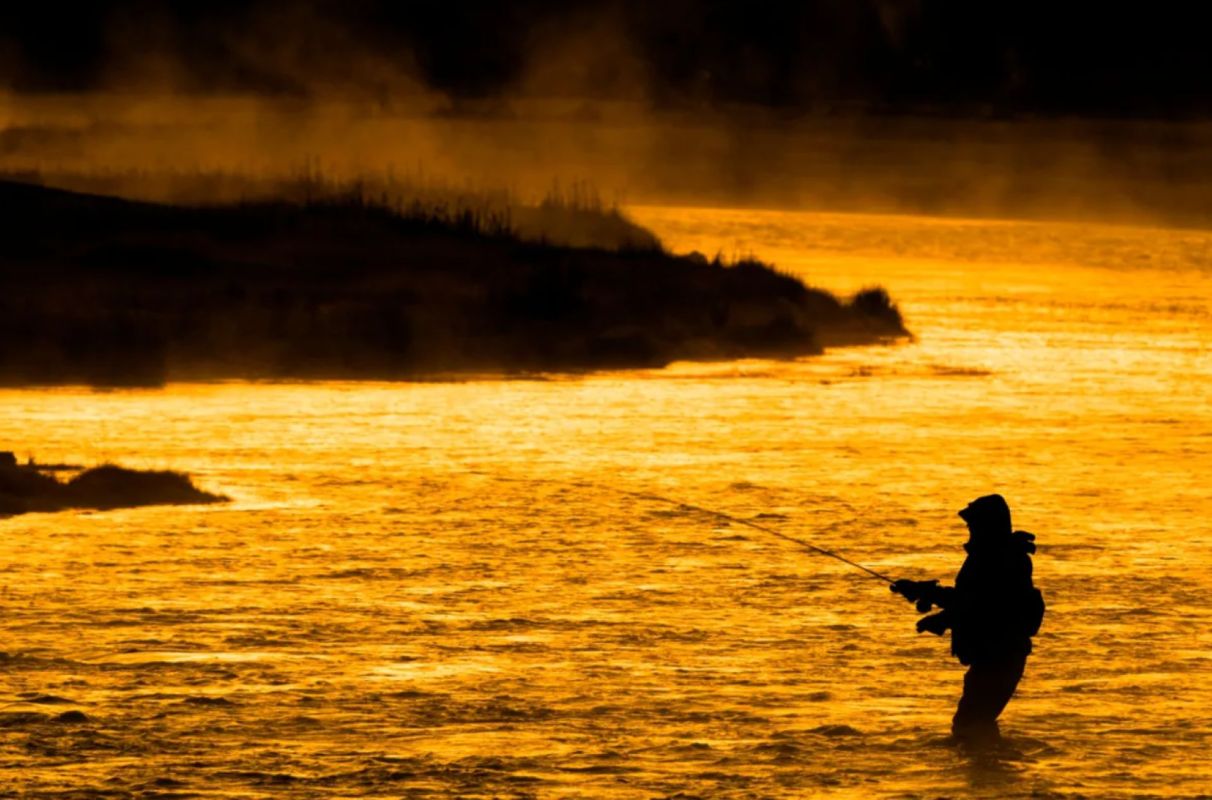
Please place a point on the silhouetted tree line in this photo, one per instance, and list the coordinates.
(1001, 56)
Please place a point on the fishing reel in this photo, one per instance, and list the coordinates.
(920, 593)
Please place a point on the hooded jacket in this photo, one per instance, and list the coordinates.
(994, 608)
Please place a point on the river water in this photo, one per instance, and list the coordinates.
(445, 590)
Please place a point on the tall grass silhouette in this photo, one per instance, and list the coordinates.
(340, 283)
(571, 213)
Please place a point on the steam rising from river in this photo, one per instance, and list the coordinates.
(580, 101)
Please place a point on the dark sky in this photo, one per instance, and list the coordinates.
(817, 56)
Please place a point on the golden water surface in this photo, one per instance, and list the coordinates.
(444, 590)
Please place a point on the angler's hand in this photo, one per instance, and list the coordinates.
(913, 591)
(922, 593)
(935, 623)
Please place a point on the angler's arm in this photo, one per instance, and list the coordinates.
(938, 624)
(945, 596)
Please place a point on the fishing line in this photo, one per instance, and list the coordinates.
(713, 513)
(721, 515)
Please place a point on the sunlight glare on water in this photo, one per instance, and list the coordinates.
(444, 589)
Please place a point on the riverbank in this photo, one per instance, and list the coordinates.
(31, 488)
(104, 291)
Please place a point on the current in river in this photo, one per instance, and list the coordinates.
(452, 589)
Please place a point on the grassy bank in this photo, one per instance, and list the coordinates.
(25, 489)
(104, 291)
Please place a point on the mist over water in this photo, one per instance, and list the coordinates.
(441, 588)
(178, 147)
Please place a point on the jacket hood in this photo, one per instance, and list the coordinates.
(988, 516)
(1017, 542)
(1023, 541)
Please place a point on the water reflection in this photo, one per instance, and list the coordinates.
(377, 612)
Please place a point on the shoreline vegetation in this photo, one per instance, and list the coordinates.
(27, 488)
(352, 282)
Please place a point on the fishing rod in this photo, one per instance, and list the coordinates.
(717, 514)
(764, 529)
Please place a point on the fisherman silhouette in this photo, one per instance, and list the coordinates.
(992, 611)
